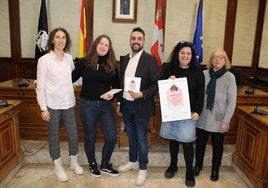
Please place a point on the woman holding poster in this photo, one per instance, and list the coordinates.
(183, 65)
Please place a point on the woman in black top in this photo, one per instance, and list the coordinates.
(99, 74)
(183, 64)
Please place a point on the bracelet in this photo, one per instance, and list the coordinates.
(118, 104)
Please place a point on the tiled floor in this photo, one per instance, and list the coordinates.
(42, 176)
(38, 171)
(36, 151)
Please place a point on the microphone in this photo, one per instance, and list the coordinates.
(3, 102)
(258, 110)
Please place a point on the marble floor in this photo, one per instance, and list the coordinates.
(37, 170)
(42, 176)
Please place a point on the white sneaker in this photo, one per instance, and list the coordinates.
(59, 171)
(141, 178)
(75, 165)
(128, 166)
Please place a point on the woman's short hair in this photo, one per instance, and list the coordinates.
(227, 61)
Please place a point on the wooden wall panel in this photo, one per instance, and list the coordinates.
(10, 150)
(6, 69)
(26, 69)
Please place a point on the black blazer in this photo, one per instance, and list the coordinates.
(147, 70)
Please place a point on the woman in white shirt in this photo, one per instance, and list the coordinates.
(55, 96)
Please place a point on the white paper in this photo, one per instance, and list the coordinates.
(174, 99)
(132, 83)
(112, 92)
(78, 82)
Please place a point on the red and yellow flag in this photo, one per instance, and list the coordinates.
(157, 48)
(82, 46)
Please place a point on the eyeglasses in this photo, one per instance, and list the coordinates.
(218, 57)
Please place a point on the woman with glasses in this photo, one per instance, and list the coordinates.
(219, 106)
(183, 65)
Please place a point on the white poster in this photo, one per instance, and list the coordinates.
(174, 99)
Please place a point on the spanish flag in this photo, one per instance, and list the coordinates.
(82, 46)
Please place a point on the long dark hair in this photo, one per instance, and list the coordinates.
(109, 62)
(173, 58)
(50, 45)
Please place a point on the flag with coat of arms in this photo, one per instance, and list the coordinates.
(157, 48)
(42, 32)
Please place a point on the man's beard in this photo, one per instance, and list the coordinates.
(136, 49)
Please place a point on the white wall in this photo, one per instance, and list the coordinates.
(4, 30)
(264, 47)
(60, 13)
(180, 25)
(245, 32)
(119, 32)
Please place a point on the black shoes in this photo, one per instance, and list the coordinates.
(189, 179)
(214, 175)
(197, 170)
(93, 168)
(107, 169)
(170, 172)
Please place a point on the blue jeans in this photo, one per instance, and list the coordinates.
(93, 112)
(69, 120)
(136, 129)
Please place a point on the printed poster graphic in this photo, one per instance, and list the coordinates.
(132, 83)
(174, 99)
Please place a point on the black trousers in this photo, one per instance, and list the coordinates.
(217, 147)
(188, 153)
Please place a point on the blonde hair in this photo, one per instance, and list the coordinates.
(227, 61)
